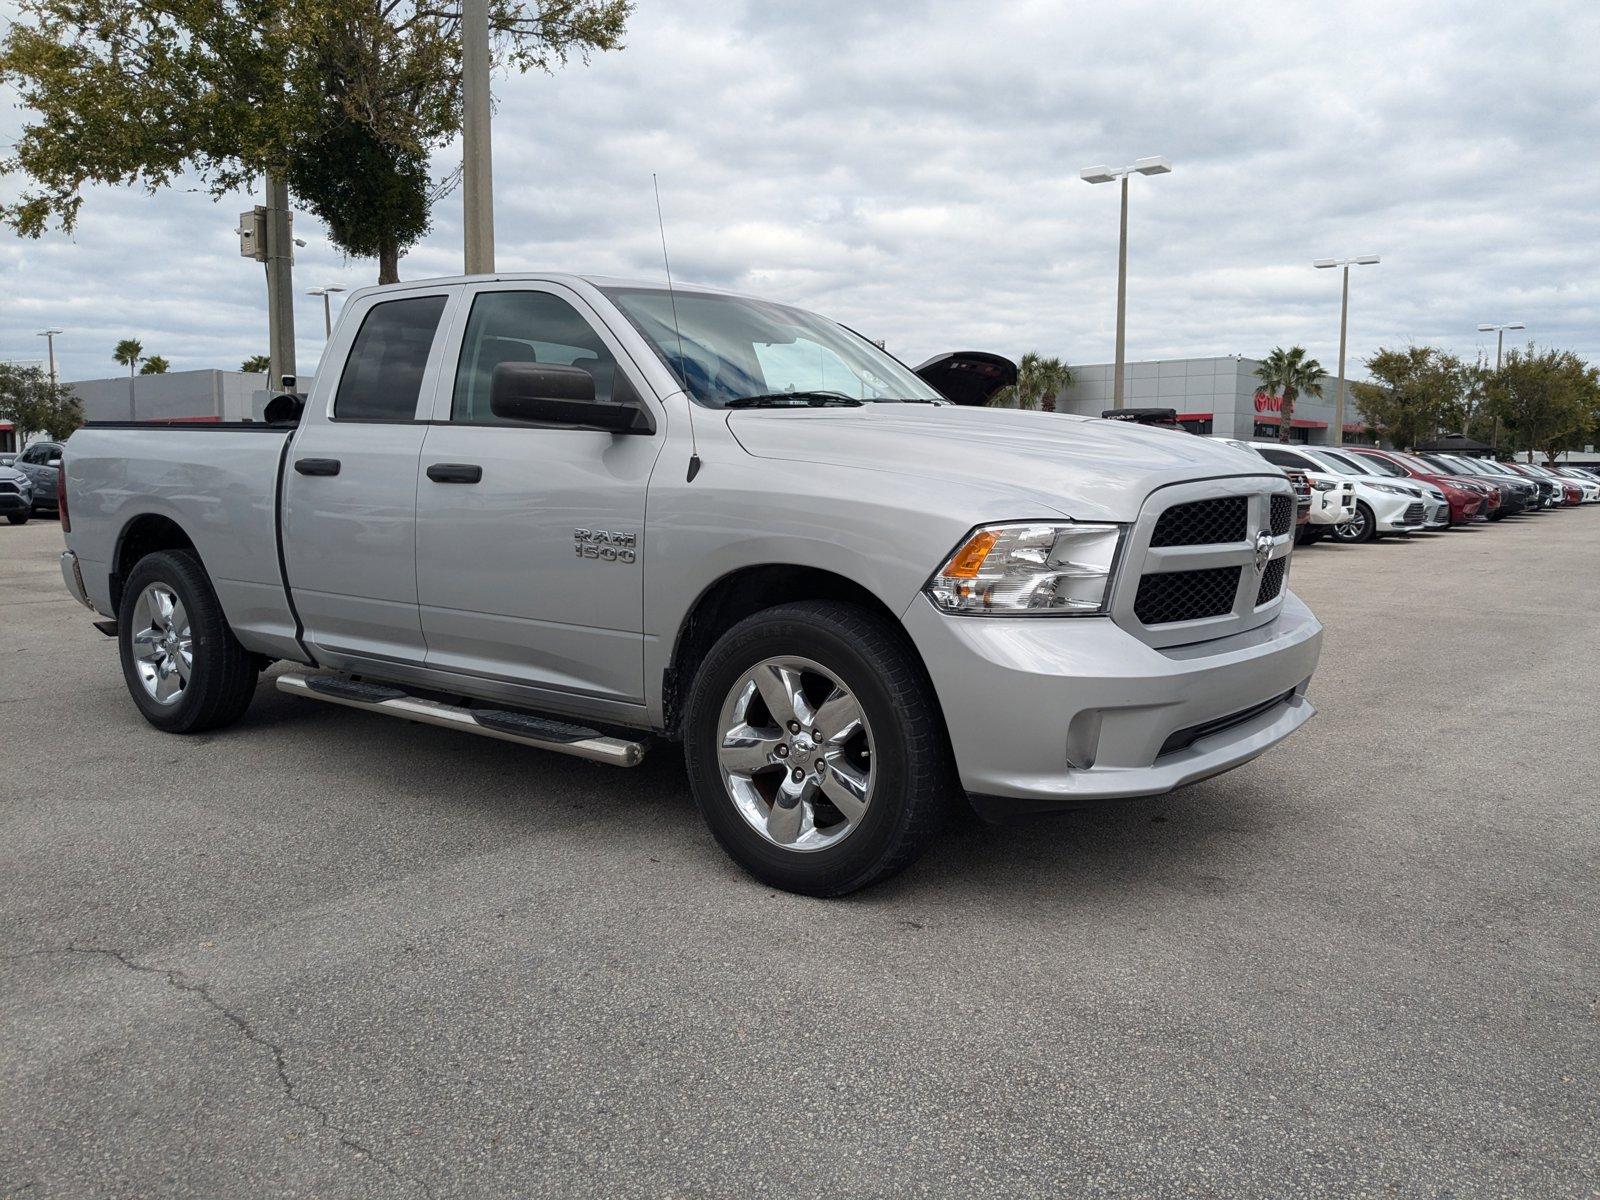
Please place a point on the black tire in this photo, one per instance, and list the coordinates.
(1364, 527)
(1310, 535)
(914, 783)
(222, 678)
(20, 518)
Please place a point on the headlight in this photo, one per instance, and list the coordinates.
(1392, 489)
(1324, 485)
(1058, 569)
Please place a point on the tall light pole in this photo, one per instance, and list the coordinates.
(1154, 165)
(1500, 337)
(327, 313)
(1499, 345)
(1323, 264)
(477, 175)
(49, 335)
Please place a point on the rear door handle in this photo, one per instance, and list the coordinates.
(455, 472)
(317, 466)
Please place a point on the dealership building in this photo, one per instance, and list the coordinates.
(1220, 396)
(201, 397)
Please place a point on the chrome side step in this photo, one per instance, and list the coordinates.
(543, 733)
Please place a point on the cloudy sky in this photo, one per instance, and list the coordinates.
(912, 170)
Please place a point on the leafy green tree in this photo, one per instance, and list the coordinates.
(1412, 394)
(35, 405)
(344, 100)
(256, 364)
(1548, 400)
(155, 365)
(1290, 374)
(1039, 381)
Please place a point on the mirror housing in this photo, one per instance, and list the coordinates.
(556, 394)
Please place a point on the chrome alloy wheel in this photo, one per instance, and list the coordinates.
(796, 754)
(163, 645)
(1353, 529)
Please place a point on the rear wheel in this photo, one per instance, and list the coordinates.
(815, 750)
(20, 518)
(184, 668)
(1359, 528)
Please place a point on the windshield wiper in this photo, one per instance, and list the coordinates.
(795, 400)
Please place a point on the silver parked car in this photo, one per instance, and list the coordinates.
(591, 516)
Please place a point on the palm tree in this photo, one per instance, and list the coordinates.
(1039, 382)
(1290, 373)
(128, 352)
(155, 365)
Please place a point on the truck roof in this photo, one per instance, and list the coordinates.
(567, 277)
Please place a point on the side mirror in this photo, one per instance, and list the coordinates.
(555, 394)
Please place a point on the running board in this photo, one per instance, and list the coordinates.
(543, 733)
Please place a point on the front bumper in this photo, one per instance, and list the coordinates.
(1397, 514)
(15, 502)
(1045, 713)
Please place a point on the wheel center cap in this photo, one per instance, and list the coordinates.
(801, 745)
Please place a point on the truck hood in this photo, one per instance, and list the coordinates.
(1083, 467)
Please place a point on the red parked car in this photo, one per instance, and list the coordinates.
(1571, 493)
(1468, 499)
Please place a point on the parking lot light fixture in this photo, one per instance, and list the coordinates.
(1500, 337)
(327, 314)
(1324, 264)
(49, 335)
(1155, 164)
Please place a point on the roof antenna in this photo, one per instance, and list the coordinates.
(694, 446)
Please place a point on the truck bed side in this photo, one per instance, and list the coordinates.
(219, 485)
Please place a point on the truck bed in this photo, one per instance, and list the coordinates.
(220, 483)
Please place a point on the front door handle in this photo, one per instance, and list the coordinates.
(455, 472)
(317, 466)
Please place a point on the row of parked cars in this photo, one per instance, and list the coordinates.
(1357, 493)
(28, 482)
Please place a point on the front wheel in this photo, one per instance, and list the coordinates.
(815, 749)
(20, 518)
(1359, 528)
(184, 668)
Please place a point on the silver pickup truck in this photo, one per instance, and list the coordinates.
(590, 516)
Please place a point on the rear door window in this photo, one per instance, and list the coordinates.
(1283, 458)
(382, 378)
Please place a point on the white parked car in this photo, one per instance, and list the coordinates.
(1438, 504)
(1585, 482)
(1333, 499)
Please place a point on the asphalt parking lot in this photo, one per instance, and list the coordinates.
(327, 954)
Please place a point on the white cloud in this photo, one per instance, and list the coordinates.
(912, 170)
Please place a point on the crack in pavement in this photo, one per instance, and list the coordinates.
(180, 982)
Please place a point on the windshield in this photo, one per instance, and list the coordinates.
(729, 348)
(1378, 466)
(1328, 462)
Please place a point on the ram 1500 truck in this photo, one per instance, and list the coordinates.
(591, 516)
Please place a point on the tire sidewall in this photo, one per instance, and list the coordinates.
(168, 569)
(832, 870)
(1367, 529)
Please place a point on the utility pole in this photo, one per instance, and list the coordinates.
(477, 174)
(1322, 264)
(1154, 165)
(280, 283)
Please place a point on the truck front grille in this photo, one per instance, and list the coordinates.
(7, 486)
(1186, 595)
(1204, 522)
(1271, 581)
(1206, 560)
(1283, 514)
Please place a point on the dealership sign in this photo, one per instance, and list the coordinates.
(1267, 402)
